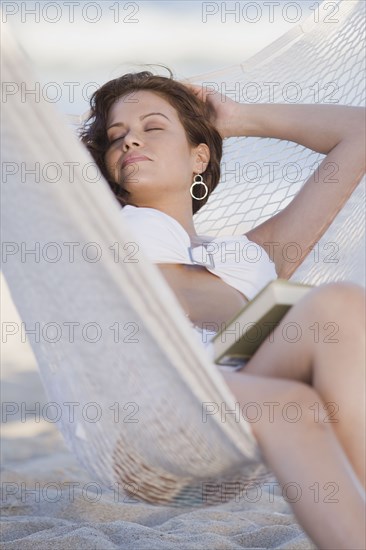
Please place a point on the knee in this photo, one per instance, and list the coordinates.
(304, 406)
(338, 297)
(293, 405)
(342, 288)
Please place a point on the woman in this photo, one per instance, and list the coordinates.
(152, 138)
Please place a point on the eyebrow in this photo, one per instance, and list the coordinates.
(141, 118)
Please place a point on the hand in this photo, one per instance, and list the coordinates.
(223, 108)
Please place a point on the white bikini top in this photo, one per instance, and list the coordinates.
(240, 263)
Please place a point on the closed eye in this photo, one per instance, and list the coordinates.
(121, 137)
(114, 140)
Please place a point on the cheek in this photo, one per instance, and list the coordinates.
(177, 151)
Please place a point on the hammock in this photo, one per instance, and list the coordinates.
(136, 397)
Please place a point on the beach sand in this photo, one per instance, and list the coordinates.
(63, 510)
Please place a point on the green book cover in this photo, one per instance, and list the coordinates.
(239, 338)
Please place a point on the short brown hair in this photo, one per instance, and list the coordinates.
(194, 114)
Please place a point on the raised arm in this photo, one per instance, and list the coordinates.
(335, 130)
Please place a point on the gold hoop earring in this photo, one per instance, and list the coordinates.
(195, 182)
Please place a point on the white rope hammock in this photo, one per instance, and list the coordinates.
(113, 339)
(315, 62)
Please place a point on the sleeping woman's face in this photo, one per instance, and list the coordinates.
(143, 124)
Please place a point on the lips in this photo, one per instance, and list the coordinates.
(133, 158)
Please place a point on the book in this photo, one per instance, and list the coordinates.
(239, 338)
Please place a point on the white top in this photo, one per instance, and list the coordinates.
(240, 263)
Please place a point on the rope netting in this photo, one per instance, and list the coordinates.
(321, 61)
(170, 455)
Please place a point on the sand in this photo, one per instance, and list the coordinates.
(62, 509)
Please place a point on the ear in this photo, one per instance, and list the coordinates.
(201, 159)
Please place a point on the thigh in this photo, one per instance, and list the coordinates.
(289, 350)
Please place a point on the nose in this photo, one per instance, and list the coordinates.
(131, 139)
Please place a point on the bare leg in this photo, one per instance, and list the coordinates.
(307, 454)
(314, 453)
(321, 341)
